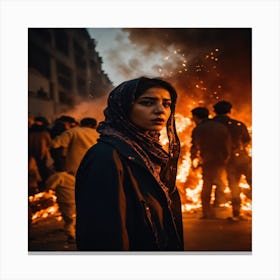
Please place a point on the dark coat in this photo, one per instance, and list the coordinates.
(240, 137)
(121, 207)
(211, 140)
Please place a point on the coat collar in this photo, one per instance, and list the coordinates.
(124, 149)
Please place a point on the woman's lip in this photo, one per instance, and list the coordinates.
(158, 121)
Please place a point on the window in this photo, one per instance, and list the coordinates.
(79, 54)
(81, 83)
(61, 41)
(41, 34)
(66, 98)
(38, 59)
(64, 76)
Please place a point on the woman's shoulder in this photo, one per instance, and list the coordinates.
(114, 150)
(99, 157)
(100, 149)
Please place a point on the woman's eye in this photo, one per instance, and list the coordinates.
(147, 103)
(167, 104)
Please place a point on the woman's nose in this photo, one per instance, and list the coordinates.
(159, 109)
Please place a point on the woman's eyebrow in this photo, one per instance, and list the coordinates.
(154, 98)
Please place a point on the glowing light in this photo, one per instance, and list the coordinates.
(183, 169)
(192, 189)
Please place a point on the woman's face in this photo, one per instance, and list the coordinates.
(151, 110)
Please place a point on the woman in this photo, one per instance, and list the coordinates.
(126, 197)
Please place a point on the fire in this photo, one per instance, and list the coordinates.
(43, 204)
(189, 181)
(183, 169)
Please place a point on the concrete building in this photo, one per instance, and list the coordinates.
(63, 69)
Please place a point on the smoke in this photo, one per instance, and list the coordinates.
(92, 108)
(204, 64)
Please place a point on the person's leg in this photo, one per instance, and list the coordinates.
(247, 171)
(233, 180)
(207, 176)
(68, 213)
(220, 181)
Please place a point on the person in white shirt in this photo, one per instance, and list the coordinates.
(76, 141)
(63, 184)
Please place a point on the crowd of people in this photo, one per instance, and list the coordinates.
(54, 155)
(116, 185)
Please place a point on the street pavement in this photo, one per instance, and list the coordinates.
(217, 235)
(200, 235)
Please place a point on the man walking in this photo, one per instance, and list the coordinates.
(211, 148)
(240, 163)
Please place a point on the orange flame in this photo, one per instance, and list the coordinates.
(190, 192)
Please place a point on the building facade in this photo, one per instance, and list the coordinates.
(63, 69)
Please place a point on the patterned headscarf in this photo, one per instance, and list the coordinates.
(145, 143)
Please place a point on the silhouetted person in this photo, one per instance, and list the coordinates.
(61, 124)
(76, 141)
(39, 140)
(211, 148)
(34, 177)
(240, 162)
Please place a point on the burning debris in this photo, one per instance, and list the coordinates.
(42, 205)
